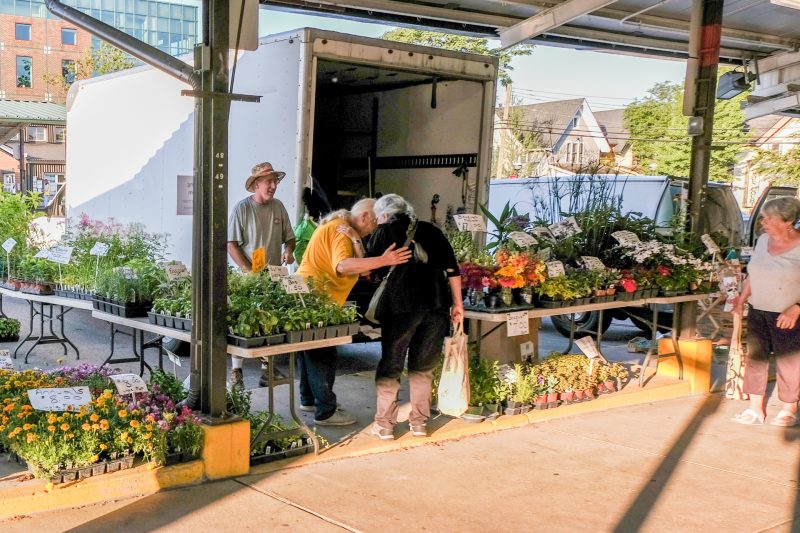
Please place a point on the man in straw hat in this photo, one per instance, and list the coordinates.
(259, 231)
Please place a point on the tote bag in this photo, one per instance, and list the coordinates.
(453, 389)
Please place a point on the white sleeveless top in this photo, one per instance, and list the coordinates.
(774, 279)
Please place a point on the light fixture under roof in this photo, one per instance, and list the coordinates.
(792, 4)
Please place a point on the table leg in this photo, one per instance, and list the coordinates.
(653, 346)
(64, 335)
(299, 421)
(30, 331)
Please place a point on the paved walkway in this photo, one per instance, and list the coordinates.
(675, 465)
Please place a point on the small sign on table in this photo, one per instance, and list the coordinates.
(517, 323)
(129, 383)
(470, 222)
(59, 399)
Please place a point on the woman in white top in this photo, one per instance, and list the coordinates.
(773, 291)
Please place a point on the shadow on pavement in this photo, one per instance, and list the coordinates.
(637, 513)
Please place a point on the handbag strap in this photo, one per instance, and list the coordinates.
(412, 229)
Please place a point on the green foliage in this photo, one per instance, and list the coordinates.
(239, 401)
(658, 133)
(485, 386)
(776, 167)
(508, 221)
(16, 214)
(462, 43)
(9, 327)
(174, 298)
(93, 62)
(168, 384)
(136, 282)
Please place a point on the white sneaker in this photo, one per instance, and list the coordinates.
(381, 433)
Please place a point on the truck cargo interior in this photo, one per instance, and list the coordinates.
(378, 130)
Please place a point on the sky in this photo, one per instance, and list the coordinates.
(607, 80)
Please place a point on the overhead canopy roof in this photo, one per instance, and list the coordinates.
(751, 28)
(17, 113)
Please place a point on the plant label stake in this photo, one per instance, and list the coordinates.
(277, 273)
(589, 349)
(565, 228)
(555, 269)
(592, 263)
(176, 361)
(176, 270)
(522, 239)
(8, 246)
(626, 238)
(100, 249)
(5, 361)
(295, 285)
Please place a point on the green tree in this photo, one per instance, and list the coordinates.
(661, 144)
(94, 62)
(461, 43)
(779, 168)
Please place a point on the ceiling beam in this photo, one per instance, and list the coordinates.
(549, 19)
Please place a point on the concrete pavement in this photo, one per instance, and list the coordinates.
(675, 465)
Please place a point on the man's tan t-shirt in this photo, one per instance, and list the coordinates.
(254, 225)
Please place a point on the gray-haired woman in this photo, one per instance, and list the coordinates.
(773, 290)
(421, 298)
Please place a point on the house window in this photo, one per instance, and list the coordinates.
(36, 134)
(60, 133)
(69, 36)
(23, 32)
(9, 182)
(574, 152)
(24, 65)
(68, 70)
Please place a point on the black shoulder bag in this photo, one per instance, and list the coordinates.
(376, 298)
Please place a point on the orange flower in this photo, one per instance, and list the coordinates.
(123, 413)
(64, 427)
(51, 419)
(103, 447)
(30, 437)
(26, 427)
(51, 428)
(94, 417)
(86, 426)
(104, 424)
(134, 423)
(95, 426)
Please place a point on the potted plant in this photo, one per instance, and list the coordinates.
(522, 391)
(9, 329)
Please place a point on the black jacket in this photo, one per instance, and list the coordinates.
(415, 285)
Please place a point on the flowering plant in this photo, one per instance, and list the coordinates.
(518, 269)
(479, 277)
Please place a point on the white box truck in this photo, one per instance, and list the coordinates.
(361, 115)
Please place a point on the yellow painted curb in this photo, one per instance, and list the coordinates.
(363, 444)
(26, 497)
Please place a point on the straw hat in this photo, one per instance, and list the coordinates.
(262, 170)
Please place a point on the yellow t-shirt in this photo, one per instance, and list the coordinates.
(326, 249)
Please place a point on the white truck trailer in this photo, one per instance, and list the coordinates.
(361, 115)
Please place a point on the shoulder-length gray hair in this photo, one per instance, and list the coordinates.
(785, 207)
(393, 204)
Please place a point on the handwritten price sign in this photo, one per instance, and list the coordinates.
(543, 254)
(294, 285)
(522, 239)
(5, 361)
(129, 383)
(100, 249)
(543, 233)
(470, 222)
(9, 245)
(517, 323)
(592, 263)
(277, 272)
(176, 271)
(55, 399)
(60, 254)
(626, 238)
(565, 228)
(555, 269)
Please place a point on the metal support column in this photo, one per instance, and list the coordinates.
(708, 36)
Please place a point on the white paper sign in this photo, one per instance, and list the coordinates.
(177, 270)
(555, 269)
(60, 254)
(277, 272)
(5, 361)
(99, 249)
(174, 358)
(588, 347)
(626, 238)
(592, 263)
(126, 271)
(55, 399)
(526, 350)
(711, 246)
(470, 222)
(9, 244)
(747, 251)
(42, 254)
(522, 239)
(129, 383)
(542, 232)
(543, 254)
(565, 228)
(517, 323)
(294, 285)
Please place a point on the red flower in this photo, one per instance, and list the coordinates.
(628, 284)
(664, 271)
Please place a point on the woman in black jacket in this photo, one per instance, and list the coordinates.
(421, 299)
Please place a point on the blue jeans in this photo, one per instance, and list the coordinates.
(317, 373)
